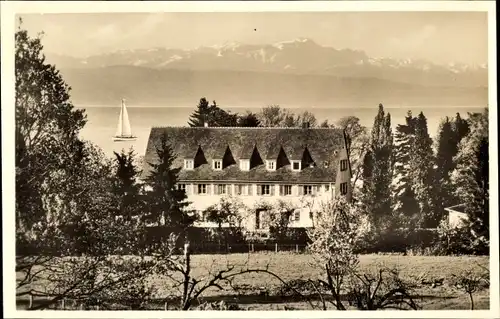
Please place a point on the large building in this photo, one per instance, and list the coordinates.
(259, 166)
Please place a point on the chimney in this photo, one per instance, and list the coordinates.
(205, 124)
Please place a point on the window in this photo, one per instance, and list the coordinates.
(188, 164)
(271, 165)
(308, 189)
(265, 189)
(221, 189)
(343, 165)
(244, 190)
(327, 188)
(181, 187)
(287, 190)
(217, 165)
(202, 188)
(326, 164)
(343, 188)
(295, 165)
(245, 165)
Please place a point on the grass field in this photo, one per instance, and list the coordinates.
(290, 266)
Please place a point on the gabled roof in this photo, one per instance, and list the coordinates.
(457, 208)
(321, 144)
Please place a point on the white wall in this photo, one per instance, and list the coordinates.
(200, 202)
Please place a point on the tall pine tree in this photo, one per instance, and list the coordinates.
(377, 176)
(405, 206)
(125, 184)
(167, 204)
(422, 174)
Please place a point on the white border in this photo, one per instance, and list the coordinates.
(10, 8)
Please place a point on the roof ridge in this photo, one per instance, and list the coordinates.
(247, 127)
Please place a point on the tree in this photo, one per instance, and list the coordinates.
(405, 205)
(125, 185)
(248, 120)
(227, 211)
(201, 114)
(446, 149)
(358, 141)
(470, 178)
(272, 116)
(422, 174)
(212, 115)
(47, 128)
(64, 200)
(377, 170)
(167, 204)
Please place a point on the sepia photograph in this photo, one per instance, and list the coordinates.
(249, 157)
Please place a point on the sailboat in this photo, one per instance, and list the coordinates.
(124, 131)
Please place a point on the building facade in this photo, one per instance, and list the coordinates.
(258, 168)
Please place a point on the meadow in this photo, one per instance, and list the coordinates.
(258, 291)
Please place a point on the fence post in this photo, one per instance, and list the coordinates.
(276, 247)
(31, 302)
(63, 303)
(296, 248)
(253, 250)
(165, 306)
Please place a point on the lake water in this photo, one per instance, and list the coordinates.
(102, 120)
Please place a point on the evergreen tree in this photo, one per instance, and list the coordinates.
(422, 174)
(405, 206)
(446, 149)
(166, 203)
(125, 184)
(377, 170)
(201, 114)
(471, 175)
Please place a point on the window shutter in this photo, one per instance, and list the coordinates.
(209, 189)
(272, 187)
(259, 189)
(301, 190)
(195, 189)
(281, 190)
(250, 189)
(229, 189)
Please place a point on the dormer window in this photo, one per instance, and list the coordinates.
(245, 164)
(271, 165)
(296, 165)
(217, 165)
(188, 164)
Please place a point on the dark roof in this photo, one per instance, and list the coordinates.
(320, 142)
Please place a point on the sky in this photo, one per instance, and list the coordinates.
(441, 37)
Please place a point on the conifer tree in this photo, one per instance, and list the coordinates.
(125, 184)
(167, 204)
(471, 175)
(446, 149)
(405, 206)
(422, 173)
(378, 169)
(201, 114)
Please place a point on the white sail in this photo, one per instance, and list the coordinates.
(119, 129)
(126, 129)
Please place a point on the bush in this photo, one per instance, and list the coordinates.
(459, 241)
(400, 241)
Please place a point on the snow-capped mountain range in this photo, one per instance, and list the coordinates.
(298, 57)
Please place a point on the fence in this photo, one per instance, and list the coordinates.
(209, 248)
